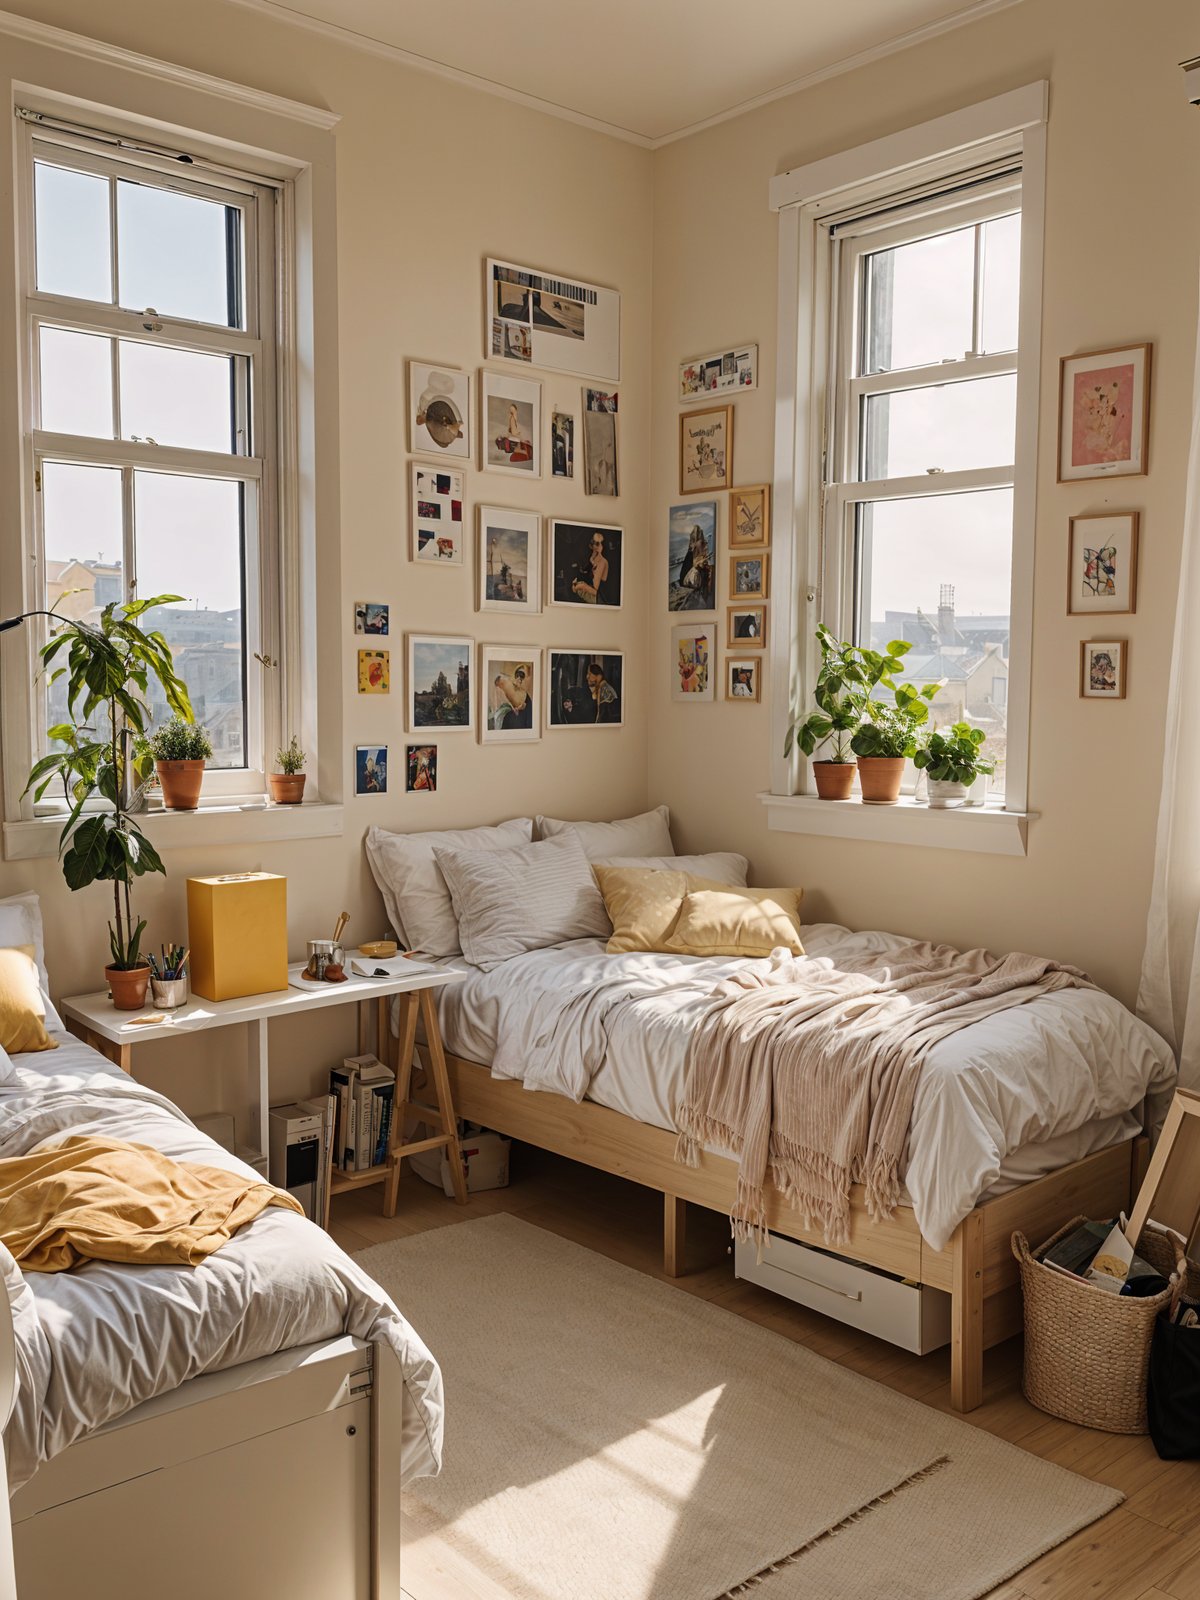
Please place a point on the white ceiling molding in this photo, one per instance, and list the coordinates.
(79, 44)
(391, 52)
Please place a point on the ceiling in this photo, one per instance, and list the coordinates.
(646, 70)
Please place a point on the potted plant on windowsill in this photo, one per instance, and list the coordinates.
(887, 737)
(838, 693)
(180, 750)
(287, 785)
(101, 750)
(952, 762)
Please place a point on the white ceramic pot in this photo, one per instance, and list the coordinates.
(943, 794)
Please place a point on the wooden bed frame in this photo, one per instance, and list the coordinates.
(976, 1269)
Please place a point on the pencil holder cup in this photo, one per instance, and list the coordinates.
(169, 993)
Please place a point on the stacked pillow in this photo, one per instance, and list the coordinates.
(679, 913)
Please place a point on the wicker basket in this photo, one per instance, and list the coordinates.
(1087, 1349)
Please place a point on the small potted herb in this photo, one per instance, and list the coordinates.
(180, 750)
(951, 762)
(287, 783)
(839, 692)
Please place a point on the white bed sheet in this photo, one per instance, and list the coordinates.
(94, 1342)
(1003, 1101)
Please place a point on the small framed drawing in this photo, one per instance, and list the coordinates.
(370, 617)
(748, 577)
(562, 444)
(743, 678)
(1103, 668)
(510, 560)
(747, 628)
(750, 515)
(420, 769)
(1102, 563)
(370, 768)
(511, 410)
(585, 689)
(585, 564)
(510, 681)
(693, 660)
(439, 411)
(439, 683)
(1104, 413)
(374, 672)
(692, 556)
(438, 527)
(705, 450)
(600, 471)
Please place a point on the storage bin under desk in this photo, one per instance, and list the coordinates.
(908, 1314)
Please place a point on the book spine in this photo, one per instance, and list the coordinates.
(387, 1097)
(362, 1127)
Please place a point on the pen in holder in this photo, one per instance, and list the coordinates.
(168, 977)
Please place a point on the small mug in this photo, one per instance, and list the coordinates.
(169, 993)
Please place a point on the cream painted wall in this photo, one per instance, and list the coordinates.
(1122, 239)
(432, 178)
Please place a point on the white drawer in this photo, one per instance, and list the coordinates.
(905, 1313)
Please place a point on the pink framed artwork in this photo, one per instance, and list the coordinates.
(1104, 413)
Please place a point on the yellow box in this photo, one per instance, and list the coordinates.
(237, 932)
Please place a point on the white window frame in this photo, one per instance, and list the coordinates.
(809, 577)
(270, 524)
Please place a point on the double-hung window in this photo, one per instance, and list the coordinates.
(151, 406)
(920, 451)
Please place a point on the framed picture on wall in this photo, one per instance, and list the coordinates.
(601, 474)
(585, 564)
(1103, 669)
(1102, 563)
(747, 628)
(370, 768)
(743, 678)
(693, 661)
(705, 450)
(585, 689)
(420, 769)
(439, 528)
(511, 412)
(439, 411)
(510, 561)
(439, 684)
(750, 515)
(748, 576)
(1104, 413)
(510, 682)
(692, 556)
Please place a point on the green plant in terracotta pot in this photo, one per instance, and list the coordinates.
(951, 762)
(180, 747)
(887, 738)
(839, 695)
(102, 756)
(287, 782)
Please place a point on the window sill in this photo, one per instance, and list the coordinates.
(988, 830)
(217, 824)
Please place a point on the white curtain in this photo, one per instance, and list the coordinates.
(1169, 992)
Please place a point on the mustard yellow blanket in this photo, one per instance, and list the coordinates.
(106, 1200)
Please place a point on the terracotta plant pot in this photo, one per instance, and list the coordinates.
(128, 986)
(880, 778)
(835, 779)
(180, 782)
(287, 788)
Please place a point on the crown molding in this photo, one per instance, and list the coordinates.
(112, 55)
(396, 53)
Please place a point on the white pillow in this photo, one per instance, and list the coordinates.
(722, 866)
(511, 901)
(413, 889)
(647, 835)
(21, 923)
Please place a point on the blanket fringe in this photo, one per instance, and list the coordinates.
(756, 1579)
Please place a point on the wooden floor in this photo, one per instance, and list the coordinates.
(1148, 1549)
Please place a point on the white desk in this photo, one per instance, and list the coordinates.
(94, 1018)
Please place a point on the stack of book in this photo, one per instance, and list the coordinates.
(325, 1107)
(364, 1091)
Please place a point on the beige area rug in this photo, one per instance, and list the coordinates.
(611, 1437)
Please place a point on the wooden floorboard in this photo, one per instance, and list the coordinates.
(1147, 1549)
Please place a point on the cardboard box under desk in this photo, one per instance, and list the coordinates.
(237, 932)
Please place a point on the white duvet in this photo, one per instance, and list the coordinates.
(97, 1341)
(1003, 1100)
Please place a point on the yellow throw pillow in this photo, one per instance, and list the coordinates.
(642, 904)
(722, 921)
(22, 1010)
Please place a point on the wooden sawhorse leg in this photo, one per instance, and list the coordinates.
(442, 1115)
(966, 1315)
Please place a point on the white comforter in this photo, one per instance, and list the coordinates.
(1046, 1082)
(95, 1342)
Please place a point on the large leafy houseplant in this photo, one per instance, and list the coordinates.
(102, 751)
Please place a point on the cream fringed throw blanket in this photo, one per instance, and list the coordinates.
(809, 1071)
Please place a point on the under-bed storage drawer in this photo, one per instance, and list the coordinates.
(905, 1313)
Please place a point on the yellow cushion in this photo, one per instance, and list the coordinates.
(722, 921)
(22, 1010)
(642, 904)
